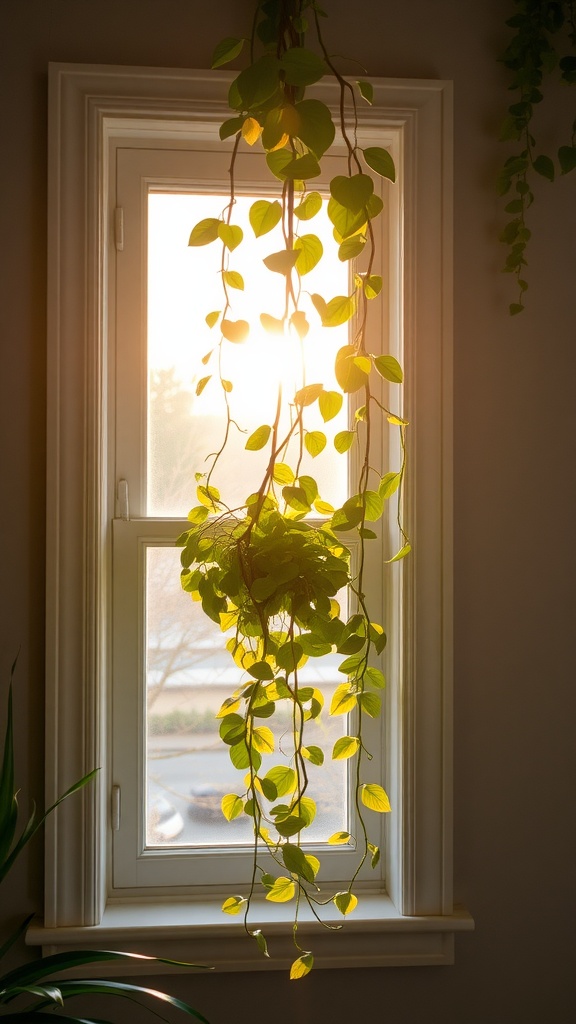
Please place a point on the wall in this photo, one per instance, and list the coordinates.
(515, 422)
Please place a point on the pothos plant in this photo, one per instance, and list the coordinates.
(543, 29)
(268, 573)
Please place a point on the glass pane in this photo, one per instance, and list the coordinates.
(188, 769)
(184, 284)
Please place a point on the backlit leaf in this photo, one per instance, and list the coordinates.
(375, 798)
(284, 778)
(264, 216)
(230, 234)
(282, 891)
(315, 128)
(233, 279)
(212, 318)
(344, 440)
(259, 438)
(205, 231)
(349, 374)
(352, 192)
(232, 806)
(263, 739)
(346, 902)
(370, 703)
(343, 700)
(300, 323)
(301, 168)
(271, 324)
(339, 838)
(281, 262)
(302, 966)
(315, 442)
(345, 747)
(313, 754)
(251, 130)
(308, 394)
(296, 862)
(310, 249)
(404, 550)
(309, 206)
(339, 310)
(372, 286)
(389, 368)
(374, 677)
(329, 403)
(388, 485)
(233, 904)
(202, 384)
(282, 473)
(235, 330)
(351, 248)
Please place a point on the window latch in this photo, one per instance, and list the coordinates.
(123, 500)
(115, 808)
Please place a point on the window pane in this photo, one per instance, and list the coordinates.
(188, 770)
(184, 284)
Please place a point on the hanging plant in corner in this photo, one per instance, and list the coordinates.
(275, 572)
(543, 29)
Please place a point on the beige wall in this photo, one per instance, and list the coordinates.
(515, 421)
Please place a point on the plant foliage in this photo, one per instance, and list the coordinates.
(269, 572)
(30, 993)
(543, 29)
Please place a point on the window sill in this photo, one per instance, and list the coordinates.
(375, 936)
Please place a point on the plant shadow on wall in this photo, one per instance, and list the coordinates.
(270, 572)
(31, 992)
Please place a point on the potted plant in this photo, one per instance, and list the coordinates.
(30, 992)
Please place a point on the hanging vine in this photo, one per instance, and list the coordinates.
(269, 573)
(535, 51)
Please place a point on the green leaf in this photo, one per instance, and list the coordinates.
(351, 248)
(290, 826)
(515, 308)
(310, 250)
(226, 51)
(302, 966)
(373, 506)
(295, 862)
(339, 838)
(301, 168)
(329, 403)
(313, 754)
(212, 318)
(260, 941)
(543, 165)
(296, 498)
(388, 485)
(566, 158)
(372, 286)
(345, 221)
(375, 798)
(233, 904)
(370, 703)
(235, 330)
(338, 311)
(202, 384)
(379, 160)
(302, 66)
(230, 234)
(345, 747)
(404, 550)
(232, 806)
(282, 473)
(374, 677)
(308, 394)
(366, 90)
(309, 207)
(256, 83)
(264, 216)
(261, 670)
(315, 442)
(263, 739)
(277, 161)
(242, 758)
(316, 127)
(389, 368)
(205, 231)
(343, 700)
(350, 375)
(281, 262)
(259, 438)
(230, 127)
(284, 778)
(346, 902)
(233, 279)
(344, 440)
(352, 193)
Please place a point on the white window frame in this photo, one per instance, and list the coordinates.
(414, 922)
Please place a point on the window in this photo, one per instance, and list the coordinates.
(136, 141)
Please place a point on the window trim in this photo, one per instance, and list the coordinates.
(87, 104)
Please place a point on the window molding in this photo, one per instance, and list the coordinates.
(87, 106)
